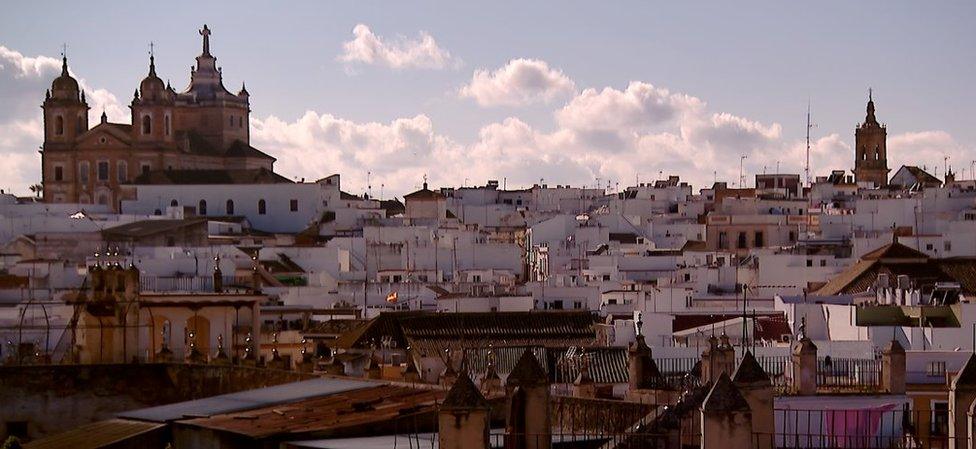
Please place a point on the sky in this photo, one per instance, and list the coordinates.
(555, 92)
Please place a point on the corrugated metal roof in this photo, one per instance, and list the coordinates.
(350, 409)
(95, 435)
(247, 400)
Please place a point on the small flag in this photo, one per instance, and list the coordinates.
(392, 297)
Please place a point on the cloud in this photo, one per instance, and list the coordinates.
(519, 82)
(641, 106)
(402, 53)
(23, 80)
(928, 149)
(611, 134)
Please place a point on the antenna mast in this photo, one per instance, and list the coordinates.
(809, 125)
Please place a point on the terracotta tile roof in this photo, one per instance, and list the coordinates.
(423, 194)
(895, 250)
(145, 228)
(430, 333)
(862, 276)
(241, 149)
(211, 176)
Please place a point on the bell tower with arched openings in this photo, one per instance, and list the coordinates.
(870, 149)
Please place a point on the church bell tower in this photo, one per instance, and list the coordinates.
(870, 149)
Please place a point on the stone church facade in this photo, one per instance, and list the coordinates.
(205, 127)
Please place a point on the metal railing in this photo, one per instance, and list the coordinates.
(846, 374)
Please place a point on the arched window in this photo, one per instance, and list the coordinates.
(146, 125)
(59, 125)
(80, 128)
(262, 207)
(166, 125)
(173, 203)
(202, 209)
(230, 207)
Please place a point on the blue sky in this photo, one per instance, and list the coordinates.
(749, 69)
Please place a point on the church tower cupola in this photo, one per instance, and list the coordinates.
(65, 109)
(152, 107)
(870, 149)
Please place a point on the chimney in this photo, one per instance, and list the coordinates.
(754, 384)
(528, 422)
(893, 368)
(804, 367)
(463, 417)
(583, 386)
(726, 419)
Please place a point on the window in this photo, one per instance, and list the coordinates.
(759, 239)
(577, 304)
(173, 203)
(293, 205)
(166, 125)
(947, 245)
(146, 125)
(940, 418)
(202, 209)
(723, 240)
(230, 207)
(58, 173)
(928, 247)
(231, 120)
(144, 168)
(935, 369)
(59, 126)
(83, 172)
(809, 262)
(823, 262)
(122, 171)
(262, 207)
(17, 429)
(742, 243)
(103, 170)
(557, 304)
(792, 236)
(80, 125)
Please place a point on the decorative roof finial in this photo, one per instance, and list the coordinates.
(104, 117)
(64, 59)
(152, 60)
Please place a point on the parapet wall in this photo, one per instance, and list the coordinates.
(54, 398)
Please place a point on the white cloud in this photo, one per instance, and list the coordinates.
(641, 106)
(609, 133)
(401, 53)
(928, 149)
(520, 82)
(23, 80)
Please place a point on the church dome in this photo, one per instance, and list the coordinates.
(152, 87)
(65, 86)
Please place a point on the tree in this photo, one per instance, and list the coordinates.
(37, 189)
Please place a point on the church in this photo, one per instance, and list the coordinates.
(205, 127)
